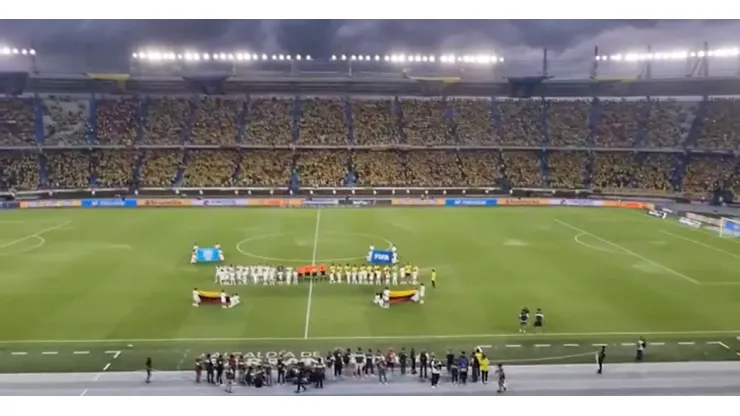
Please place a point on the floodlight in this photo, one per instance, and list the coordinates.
(352, 58)
(298, 57)
(281, 57)
(288, 57)
(133, 55)
(15, 51)
(432, 58)
(6, 51)
(377, 58)
(333, 57)
(308, 57)
(387, 58)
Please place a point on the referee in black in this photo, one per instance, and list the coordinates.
(148, 370)
(600, 357)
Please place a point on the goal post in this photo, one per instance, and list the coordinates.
(729, 227)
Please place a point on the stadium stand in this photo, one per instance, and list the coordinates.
(75, 120)
(425, 122)
(66, 120)
(270, 122)
(216, 121)
(17, 121)
(323, 122)
(375, 122)
(167, 120)
(270, 168)
(117, 121)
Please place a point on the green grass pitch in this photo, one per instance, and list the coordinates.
(88, 290)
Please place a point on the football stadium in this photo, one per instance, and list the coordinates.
(163, 219)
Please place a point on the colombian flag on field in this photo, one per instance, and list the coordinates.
(212, 296)
(399, 296)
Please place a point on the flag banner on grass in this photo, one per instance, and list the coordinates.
(208, 255)
(400, 296)
(212, 297)
(311, 271)
(380, 257)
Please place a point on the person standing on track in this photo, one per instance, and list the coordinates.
(600, 358)
(148, 370)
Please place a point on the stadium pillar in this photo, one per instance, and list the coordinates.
(544, 63)
(595, 63)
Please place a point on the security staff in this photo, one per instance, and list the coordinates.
(600, 357)
(209, 369)
(402, 358)
(148, 370)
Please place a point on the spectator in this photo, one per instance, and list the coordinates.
(322, 168)
(17, 122)
(159, 168)
(114, 168)
(668, 123)
(568, 122)
(425, 123)
(266, 168)
(210, 168)
(523, 169)
(167, 120)
(379, 169)
(19, 171)
(66, 120)
(68, 169)
(720, 126)
(473, 121)
(270, 122)
(613, 171)
(216, 121)
(481, 168)
(118, 121)
(322, 122)
(705, 173)
(567, 170)
(521, 122)
(374, 123)
(616, 125)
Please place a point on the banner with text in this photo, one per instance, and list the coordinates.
(95, 203)
(223, 202)
(470, 202)
(417, 202)
(165, 202)
(278, 203)
(51, 203)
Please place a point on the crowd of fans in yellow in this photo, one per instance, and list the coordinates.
(269, 122)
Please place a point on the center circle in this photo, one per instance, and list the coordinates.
(284, 260)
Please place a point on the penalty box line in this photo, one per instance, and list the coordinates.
(630, 252)
(513, 335)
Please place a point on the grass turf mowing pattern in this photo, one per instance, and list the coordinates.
(124, 274)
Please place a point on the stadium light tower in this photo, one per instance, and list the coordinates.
(13, 54)
(409, 61)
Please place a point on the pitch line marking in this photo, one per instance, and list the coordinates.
(84, 392)
(657, 344)
(310, 281)
(541, 345)
(577, 239)
(628, 344)
(19, 353)
(40, 242)
(35, 235)
(699, 243)
(107, 366)
(49, 353)
(81, 352)
(599, 345)
(720, 343)
(571, 345)
(513, 346)
(628, 251)
(373, 337)
(686, 343)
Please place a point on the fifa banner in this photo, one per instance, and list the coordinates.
(208, 255)
(401, 296)
(320, 202)
(113, 202)
(384, 257)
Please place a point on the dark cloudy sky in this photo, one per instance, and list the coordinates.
(518, 40)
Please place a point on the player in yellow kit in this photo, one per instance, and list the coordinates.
(434, 278)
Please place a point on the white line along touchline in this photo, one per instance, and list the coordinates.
(628, 251)
(512, 335)
(310, 282)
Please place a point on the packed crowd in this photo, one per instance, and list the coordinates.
(174, 120)
(200, 168)
(70, 121)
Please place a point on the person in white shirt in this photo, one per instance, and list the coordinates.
(370, 253)
(386, 298)
(224, 302)
(295, 276)
(288, 275)
(377, 301)
(234, 300)
(422, 292)
(196, 297)
(280, 275)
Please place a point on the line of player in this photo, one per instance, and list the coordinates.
(334, 274)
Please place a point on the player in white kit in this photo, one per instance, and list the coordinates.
(422, 292)
(355, 275)
(386, 298)
(196, 297)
